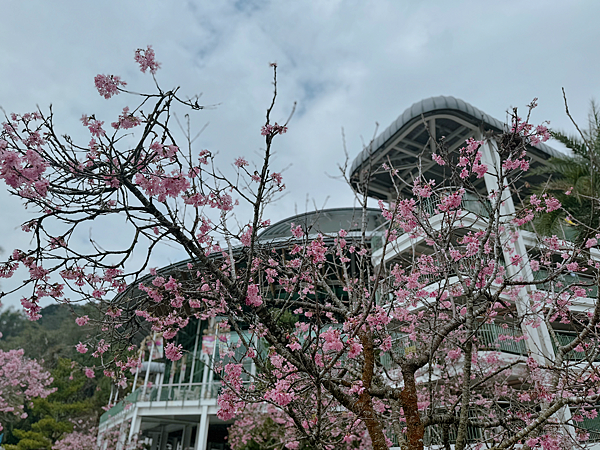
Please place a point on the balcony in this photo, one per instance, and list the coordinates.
(470, 203)
(591, 426)
(433, 434)
(495, 337)
(490, 337)
(166, 395)
(566, 280)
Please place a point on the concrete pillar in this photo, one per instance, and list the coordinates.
(122, 436)
(164, 437)
(202, 433)
(539, 343)
(155, 440)
(187, 436)
(136, 424)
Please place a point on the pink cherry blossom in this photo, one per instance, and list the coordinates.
(21, 380)
(81, 348)
(83, 320)
(240, 162)
(108, 85)
(253, 297)
(146, 60)
(173, 352)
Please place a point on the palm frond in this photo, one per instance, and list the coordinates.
(572, 142)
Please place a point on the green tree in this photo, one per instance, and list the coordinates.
(77, 399)
(575, 181)
(52, 340)
(12, 323)
(49, 339)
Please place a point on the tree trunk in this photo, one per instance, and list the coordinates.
(408, 397)
(365, 401)
(461, 436)
(368, 416)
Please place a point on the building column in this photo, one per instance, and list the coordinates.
(136, 424)
(540, 343)
(122, 436)
(164, 437)
(99, 440)
(155, 440)
(187, 436)
(202, 433)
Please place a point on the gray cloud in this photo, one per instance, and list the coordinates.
(348, 63)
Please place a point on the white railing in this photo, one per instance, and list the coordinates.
(165, 393)
(470, 202)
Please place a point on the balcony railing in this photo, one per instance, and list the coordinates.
(433, 434)
(165, 393)
(591, 426)
(490, 337)
(470, 202)
(565, 338)
(567, 279)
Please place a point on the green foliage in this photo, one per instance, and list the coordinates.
(52, 337)
(41, 435)
(77, 398)
(29, 440)
(52, 342)
(288, 319)
(11, 323)
(578, 174)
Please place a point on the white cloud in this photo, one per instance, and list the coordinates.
(348, 64)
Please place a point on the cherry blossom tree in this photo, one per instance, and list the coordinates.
(405, 351)
(268, 426)
(85, 437)
(77, 440)
(21, 380)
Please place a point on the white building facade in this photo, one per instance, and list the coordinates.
(179, 412)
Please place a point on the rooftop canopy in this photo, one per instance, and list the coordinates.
(408, 138)
(326, 221)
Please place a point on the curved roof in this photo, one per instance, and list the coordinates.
(440, 105)
(326, 221)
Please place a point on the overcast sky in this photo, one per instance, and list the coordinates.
(348, 64)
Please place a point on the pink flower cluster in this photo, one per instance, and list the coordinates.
(229, 404)
(470, 159)
(246, 236)
(316, 250)
(272, 130)
(108, 85)
(21, 380)
(221, 201)
(240, 162)
(173, 352)
(83, 320)
(146, 60)
(282, 394)
(94, 125)
(24, 173)
(126, 120)
(163, 186)
(77, 440)
(253, 297)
